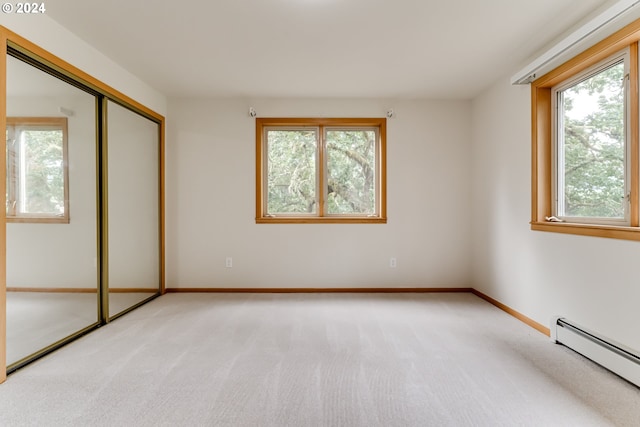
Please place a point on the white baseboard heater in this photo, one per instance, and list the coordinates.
(607, 353)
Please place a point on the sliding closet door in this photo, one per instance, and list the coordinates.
(52, 277)
(84, 224)
(133, 189)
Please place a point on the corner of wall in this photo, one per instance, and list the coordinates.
(53, 37)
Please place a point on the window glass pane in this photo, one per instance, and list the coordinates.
(41, 183)
(291, 171)
(591, 175)
(351, 171)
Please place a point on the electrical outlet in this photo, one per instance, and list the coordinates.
(228, 262)
(393, 263)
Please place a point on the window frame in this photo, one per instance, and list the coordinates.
(542, 156)
(34, 122)
(321, 124)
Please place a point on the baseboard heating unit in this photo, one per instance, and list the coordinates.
(607, 353)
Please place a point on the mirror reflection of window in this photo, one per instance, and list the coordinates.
(37, 169)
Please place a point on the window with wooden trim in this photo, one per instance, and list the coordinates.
(37, 175)
(590, 171)
(585, 156)
(320, 170)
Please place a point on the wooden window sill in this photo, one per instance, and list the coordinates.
(37, 220)
(320, 220)
(608, 231)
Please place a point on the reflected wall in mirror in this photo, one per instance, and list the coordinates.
(133, 208)
(52, 280)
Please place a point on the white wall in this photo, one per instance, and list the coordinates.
(210, 174)
(592, 281)
(48, 34)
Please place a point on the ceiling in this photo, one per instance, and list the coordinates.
(449, 49)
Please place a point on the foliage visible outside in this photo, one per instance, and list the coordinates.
(351, 157)
(36, 173)
(292, 171)
(593, 135)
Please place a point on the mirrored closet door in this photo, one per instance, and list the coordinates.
(133, 208)
(52, 276)
(84, 204)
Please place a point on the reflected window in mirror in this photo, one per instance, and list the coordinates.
(37, 175)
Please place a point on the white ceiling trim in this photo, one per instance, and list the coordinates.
(595, 30)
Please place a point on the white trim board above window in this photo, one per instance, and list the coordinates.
(593, 31)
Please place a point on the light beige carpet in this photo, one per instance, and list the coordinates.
(36, 320)
(316, 360)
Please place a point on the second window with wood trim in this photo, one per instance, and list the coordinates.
(320, 170)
